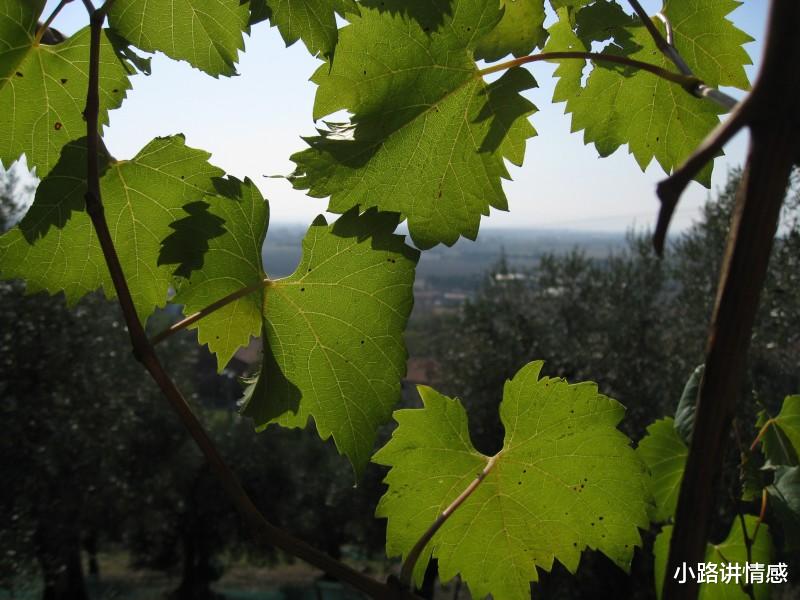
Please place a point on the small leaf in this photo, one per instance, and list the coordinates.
(205, 33)
(428, 136)
(333, 333)
(784, 500)
(42, 100)
(732, 550)
(655, 118)
(775, 446)
(684, 414)
(230, 228)
(313, 21)
(788, 421)
(565, 480)
(519, 32)
(664, 453)
(54, 247)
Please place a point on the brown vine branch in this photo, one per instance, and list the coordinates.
(774, 146)
(46, 25)
(761, 433)
(204, 312)
(665, 45)
(689, 83)
(145, 353)
(762, 513)
(669, 190)
(408, 565)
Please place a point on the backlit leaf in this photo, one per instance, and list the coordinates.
(333, 333)
(518, 32)
(18, 19)
(655, 118)
(313, 21)
(565, 480)
(428, 136)
(664, 453)
(42, 99)
(54, 247)
(205, 33)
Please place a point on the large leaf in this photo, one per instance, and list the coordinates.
(54, 248)
(42, 98)
(333, 333)
(206, 33)
(733, 551)
(655, 118)
(428, 136)
(664, 453)
(313, 21)
(518, 32)
(565, 480)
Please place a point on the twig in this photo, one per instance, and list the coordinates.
(145, 353)
(664, 45)
(747, 588)
(762, 514)
(670, 189)
(46, 25)
(689, 83)
(204, 312)
(89, 7)
(761, 433)
(408, 565)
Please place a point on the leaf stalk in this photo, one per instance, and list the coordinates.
(407, 569)
(46, 25)
(204, 312)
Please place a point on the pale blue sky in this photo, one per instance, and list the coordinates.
(252, 123)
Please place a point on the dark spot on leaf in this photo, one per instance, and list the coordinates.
(575, 544)
(519, 483)
(592, 523)
(19, 74)
(63, 80)
(302, 289)
(600, 517)
(309, 269)
(58, 125)
(114, 91)
(183, 176)
(365, 72)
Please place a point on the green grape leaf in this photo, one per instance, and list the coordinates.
(788, 421)
(42, 100)
(18, 24)
(784, 500)
(684, 414)
(655, 118)
(775, 446)
(54, 247)
(518, 32)
(205, 33)
(562, 38)
(428, 136)
(664, 453)
(731, 551)
(313, 21)
(230, 229)
(565, 480)
(333, 333)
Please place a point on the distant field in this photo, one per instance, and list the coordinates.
(466, 258)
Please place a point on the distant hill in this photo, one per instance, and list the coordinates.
(466, 259)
